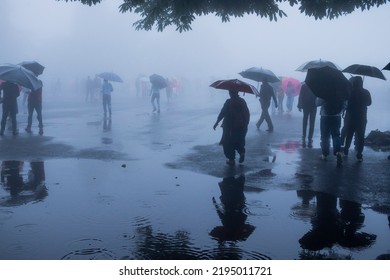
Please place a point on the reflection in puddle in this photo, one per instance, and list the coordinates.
(131, 213)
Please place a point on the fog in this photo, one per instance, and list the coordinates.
(73, 41)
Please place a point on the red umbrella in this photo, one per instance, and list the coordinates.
(236, 85)
(295, 83)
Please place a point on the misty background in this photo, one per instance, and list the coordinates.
(74, 41)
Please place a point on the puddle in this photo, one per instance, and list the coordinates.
(91, 209)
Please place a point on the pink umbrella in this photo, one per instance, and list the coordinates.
(295, 83)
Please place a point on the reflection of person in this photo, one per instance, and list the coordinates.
(106, 95)
(34, 102)
(307, 103)
(330, 124)
(356, 117)
(235, 115)
(266, 93)
(232, 214)
(10, 105)
(155, 98)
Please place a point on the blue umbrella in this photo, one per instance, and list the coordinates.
(19, 75)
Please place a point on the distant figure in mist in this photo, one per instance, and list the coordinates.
(307, 104)
(34, 102)
(235, 116)
(355, 120)
(155, 98)
(266, 93)
(106, 90)
(290, 94)
(10, 93)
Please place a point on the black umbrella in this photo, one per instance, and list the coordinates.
(19, 75)
(364, 70)
(235, 85)
(158, 81)
(387, 67)
(328, 83)
(259, 75)
(33, 66)
(316, 64)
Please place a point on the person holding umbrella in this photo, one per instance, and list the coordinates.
(235, 116)
(10, 105)
(106, 94)
(307, 104)
(266, 93)
(356, 117)
(34, 102)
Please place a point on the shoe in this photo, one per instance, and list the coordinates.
(41, 131)
(230, 162)
(270, 130)
(339, 159)
(310, 143)
(359, 157)
(242, 158)
(28, 130)
(323, 157)
(15, 132)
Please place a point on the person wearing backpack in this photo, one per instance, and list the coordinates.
(330, 124)
(235, 116)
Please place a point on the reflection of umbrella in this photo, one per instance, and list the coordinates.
(235, 85)
(316, 64)
(33, 66)
(387, 67)
(364, 70)
(19, 75)
(110, 76)
(295, 83)
(259, 75)
(158, 81)
(328, 83)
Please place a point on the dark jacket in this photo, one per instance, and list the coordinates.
(266, 93)
(359, 100)
(306, 100)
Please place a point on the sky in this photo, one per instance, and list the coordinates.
(73, 41)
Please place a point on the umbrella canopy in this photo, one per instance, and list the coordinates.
(387, 67)
(328, 83)
(158, 81)
(235, 85)
(33, 66)
(295, 83)
(110, 76)
(316, 64)
(259, 75)
(365, 70)
(19, 75)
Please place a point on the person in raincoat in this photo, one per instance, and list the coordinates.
(235, 116)
(106, 95)
(34, 102)
(307, 104)
(10, 106)
(266, 93)
(356, 117)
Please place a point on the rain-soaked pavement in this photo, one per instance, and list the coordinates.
(148, 186)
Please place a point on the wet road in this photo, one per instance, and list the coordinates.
(148, 186)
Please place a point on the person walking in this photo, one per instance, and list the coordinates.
(330, 124)
(34, 102)
(155, 98)
(10, 105)
(290, 94)
(307, 104)
(356, 117)
(235, 116)
(106, 96)
(266, 93)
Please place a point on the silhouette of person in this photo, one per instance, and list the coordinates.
(266, 93)
(10, 105)
(330, 124)
(356, 117)
(106, 90)
(307, 104)
(34, 102)
(231, 213)
(235, 116)
(155, 98)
